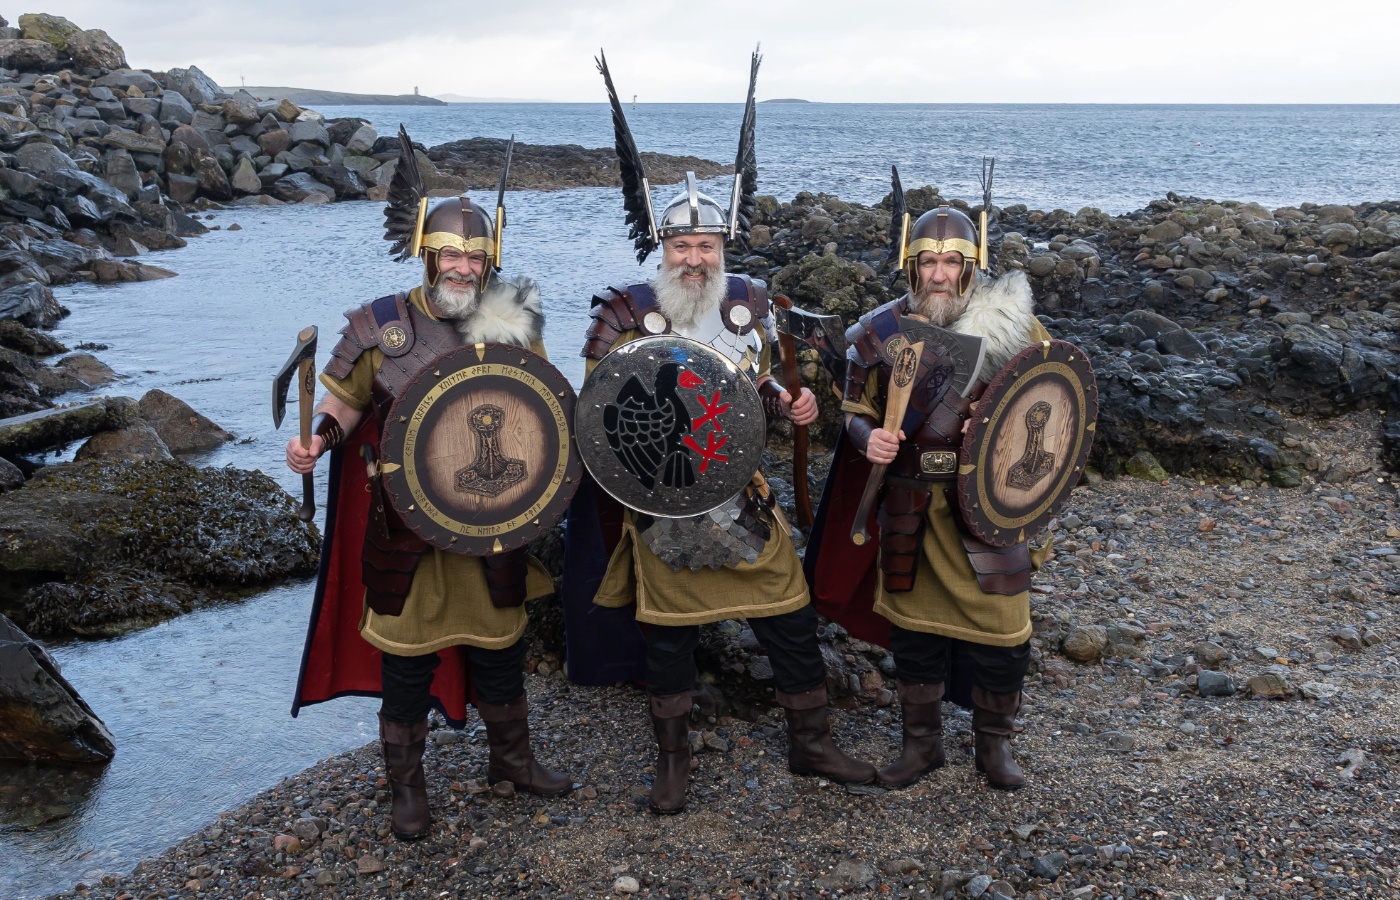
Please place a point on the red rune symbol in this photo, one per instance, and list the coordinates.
(689, 379)
(713, 410)
(710, 451)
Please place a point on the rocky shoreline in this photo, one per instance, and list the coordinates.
(1208, 714)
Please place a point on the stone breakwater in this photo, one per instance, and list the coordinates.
(1216, 329)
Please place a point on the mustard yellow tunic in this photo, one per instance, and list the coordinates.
(772, 585)
(448, 603)
(946, 598)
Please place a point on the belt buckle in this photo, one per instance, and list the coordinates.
(938, 462)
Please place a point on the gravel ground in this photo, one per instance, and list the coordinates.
(1159, 766)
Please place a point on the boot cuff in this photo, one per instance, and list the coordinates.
(402, 733)
(669, 706)
(1004, 704)
(513, 711)
(919, 694)
(809, 699)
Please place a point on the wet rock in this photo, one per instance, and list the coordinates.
(32, 304)
(10, 476)
(42, 718)
(87, 369)
(181, 428)
(137, 441)
(53, 427)
(94, 542)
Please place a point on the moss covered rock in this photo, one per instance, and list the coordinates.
(85, 546)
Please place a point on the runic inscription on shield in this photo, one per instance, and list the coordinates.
(1035, 463)
(492, 472)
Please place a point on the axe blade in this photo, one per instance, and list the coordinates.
(965, 351)
(823, 333)
(282, 383)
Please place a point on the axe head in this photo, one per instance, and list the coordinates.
(965, 352)
(305, 350)
(823, 333)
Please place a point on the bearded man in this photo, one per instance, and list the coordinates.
(948, 602)
(646, 573)
(439, 621)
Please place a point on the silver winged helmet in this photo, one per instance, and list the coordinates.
(691, 211)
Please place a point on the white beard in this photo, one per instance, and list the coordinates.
(455, 300)
(684, 304)
(940, 308)
(509, 311)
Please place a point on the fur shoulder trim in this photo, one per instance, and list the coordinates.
(510, 312)
(1002, 311)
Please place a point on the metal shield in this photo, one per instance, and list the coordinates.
(477, 453)
(670, 426)
(1028, 443)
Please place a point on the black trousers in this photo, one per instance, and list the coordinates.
(790, 640)
(497, 675)
(922, 658)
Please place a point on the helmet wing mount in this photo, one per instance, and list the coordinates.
(636, 191)
(408, 204)
(741, 199)
(899, 223)
(989, 164)
(501, 202)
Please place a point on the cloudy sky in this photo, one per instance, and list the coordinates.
(1013, 51)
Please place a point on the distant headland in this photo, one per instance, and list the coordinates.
(785, 100)
(313, 97)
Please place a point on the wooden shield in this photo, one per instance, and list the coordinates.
(1030, 437)
(477, 453)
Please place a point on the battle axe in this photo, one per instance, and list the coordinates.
(823, 334)
(302, 364)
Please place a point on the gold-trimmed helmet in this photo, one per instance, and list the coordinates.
(941, 230)
(455, 222)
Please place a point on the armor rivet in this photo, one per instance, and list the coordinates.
(410, 507)
(437, 373)
(403, 418)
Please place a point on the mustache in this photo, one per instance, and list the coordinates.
(459, 278)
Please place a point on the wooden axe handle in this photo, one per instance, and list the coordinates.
(792, 380)
(906, 370)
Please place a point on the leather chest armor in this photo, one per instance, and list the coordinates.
(615, 310)
(927, 460)
(410, 341)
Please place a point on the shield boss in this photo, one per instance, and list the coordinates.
(1029, 440)
(477, 452)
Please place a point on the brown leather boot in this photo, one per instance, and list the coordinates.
(993, 723)
(402, 746)
(810, 748)
(922, 751)
(670, 718)
(508, 736)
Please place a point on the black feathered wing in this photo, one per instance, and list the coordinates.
(641, 227)
(406, 193)
(746, 166)
(898, 212)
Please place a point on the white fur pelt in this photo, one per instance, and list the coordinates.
(1002, 312)
(509, 312)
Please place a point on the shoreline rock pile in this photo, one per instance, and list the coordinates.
(1216, 329)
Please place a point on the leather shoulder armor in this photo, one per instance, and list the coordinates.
(615, 310)
(382, 323)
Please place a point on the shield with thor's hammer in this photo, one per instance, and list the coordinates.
(670, 427)
(477, 453)
(301, 365)
(1028, 443)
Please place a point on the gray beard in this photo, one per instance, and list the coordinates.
(939, 309)
(455, 300)
(684, 304)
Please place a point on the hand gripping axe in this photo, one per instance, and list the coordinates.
(302, 364)
(825, 335)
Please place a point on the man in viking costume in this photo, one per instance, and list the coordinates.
(671, 573)
(445, 626)
(949, 604)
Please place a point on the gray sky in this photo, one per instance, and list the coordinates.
(1015, 51)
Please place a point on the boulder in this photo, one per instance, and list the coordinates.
(181, 428)
(11, 477)
(213, 183)
(311, 131)
(138, 441)
(190, 137)
(120, 171)
(244, 178)
(286, 111)
(42, 717)
(182, 188)
(95, 49)
(50, 428)
(272, 143)
(55, 31)
(28, 55)
(345, 181)
(92, 545)
(175, 109)
(362, 141)
(125, 79)
(300, 186)
(48, 163)
(31, 303)
(193, 84)
(241, 109)
(87, 368)
(132, 142)
(1085, 643)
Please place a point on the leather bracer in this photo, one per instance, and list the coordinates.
(902, 518)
